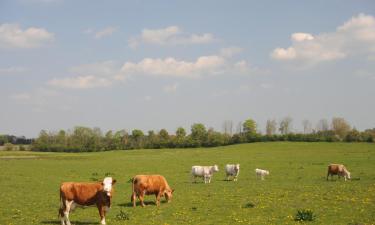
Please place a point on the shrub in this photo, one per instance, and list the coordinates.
(8, 147)
(304, 215)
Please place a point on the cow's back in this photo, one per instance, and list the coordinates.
(81, 193)
(335, 168)
(150, 183)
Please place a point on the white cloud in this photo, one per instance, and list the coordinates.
(80, 82)
(356, 36)
(12, 70)
(171, 67)
(108, 31)
(93, 75)
(172, 35)
(171, 88)
(12, 36)
(302, 37)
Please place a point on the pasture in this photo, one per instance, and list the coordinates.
(29, 184)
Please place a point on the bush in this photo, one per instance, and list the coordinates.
(304, 215)
(8, 147)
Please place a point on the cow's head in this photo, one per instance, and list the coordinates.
(107, 183)
(347, 174)
(215, 168)
(168, 193)
(267, 172)
(237, 167)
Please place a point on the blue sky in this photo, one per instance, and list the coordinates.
(162, 64)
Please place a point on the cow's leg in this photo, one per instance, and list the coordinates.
(133, 199)
(141, 198)
(68, 205)
(101, 210)
(158, 196)
(327, 176)
(235, 178)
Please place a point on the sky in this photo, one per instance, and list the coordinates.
(159, 64)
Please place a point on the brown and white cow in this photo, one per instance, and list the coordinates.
(150, 185)
(339, 170)
(85, 194)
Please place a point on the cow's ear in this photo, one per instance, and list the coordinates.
(114, 181)
(172, 190)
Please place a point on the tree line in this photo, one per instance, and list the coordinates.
(84, 139)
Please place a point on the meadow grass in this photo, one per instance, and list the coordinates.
(29, 185)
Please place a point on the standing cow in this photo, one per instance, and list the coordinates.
(150, 185)
(339, 170)
(205, 172)
(74, 194)
(261, 173)
(232, 170)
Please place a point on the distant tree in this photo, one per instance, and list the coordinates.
(228, 127)
(322, 125)
(180, 132)
(340, 127)
(286, 125)
(307, 126)
(137, 139)
(249, 126)
(271, 127)
(239, 128)
(198, 134)
(163, 133)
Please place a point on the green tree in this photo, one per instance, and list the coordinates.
(249, 126)
(198, 134)
(180, 132)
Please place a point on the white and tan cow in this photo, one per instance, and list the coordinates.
(74, 194)
(232, 170)
(339, 170)
(261, 173)
(205, 172)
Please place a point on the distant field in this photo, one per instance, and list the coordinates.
(29, 184)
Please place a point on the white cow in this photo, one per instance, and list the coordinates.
(261, 173)
(205, 172)
(232, 170)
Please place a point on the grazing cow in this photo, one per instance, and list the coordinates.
(339, 170)
(85, 194)
(148, 185)
(205, 172)
(261, 173)
(232, 170)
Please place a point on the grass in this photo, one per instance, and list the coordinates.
(29, 185)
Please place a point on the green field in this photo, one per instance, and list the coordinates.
(29, 185)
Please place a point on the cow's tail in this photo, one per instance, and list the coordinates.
(62, 206)
(132, 197)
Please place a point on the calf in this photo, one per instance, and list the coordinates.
(339, 170)
(232, 170)
(261, 173)
(85, 194)
(148, 185)
(205, 172)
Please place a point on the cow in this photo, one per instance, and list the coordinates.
(205, 172)
(232, 170)
(74, 194)
(339, 170)
(261, 173)
(150, 185)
